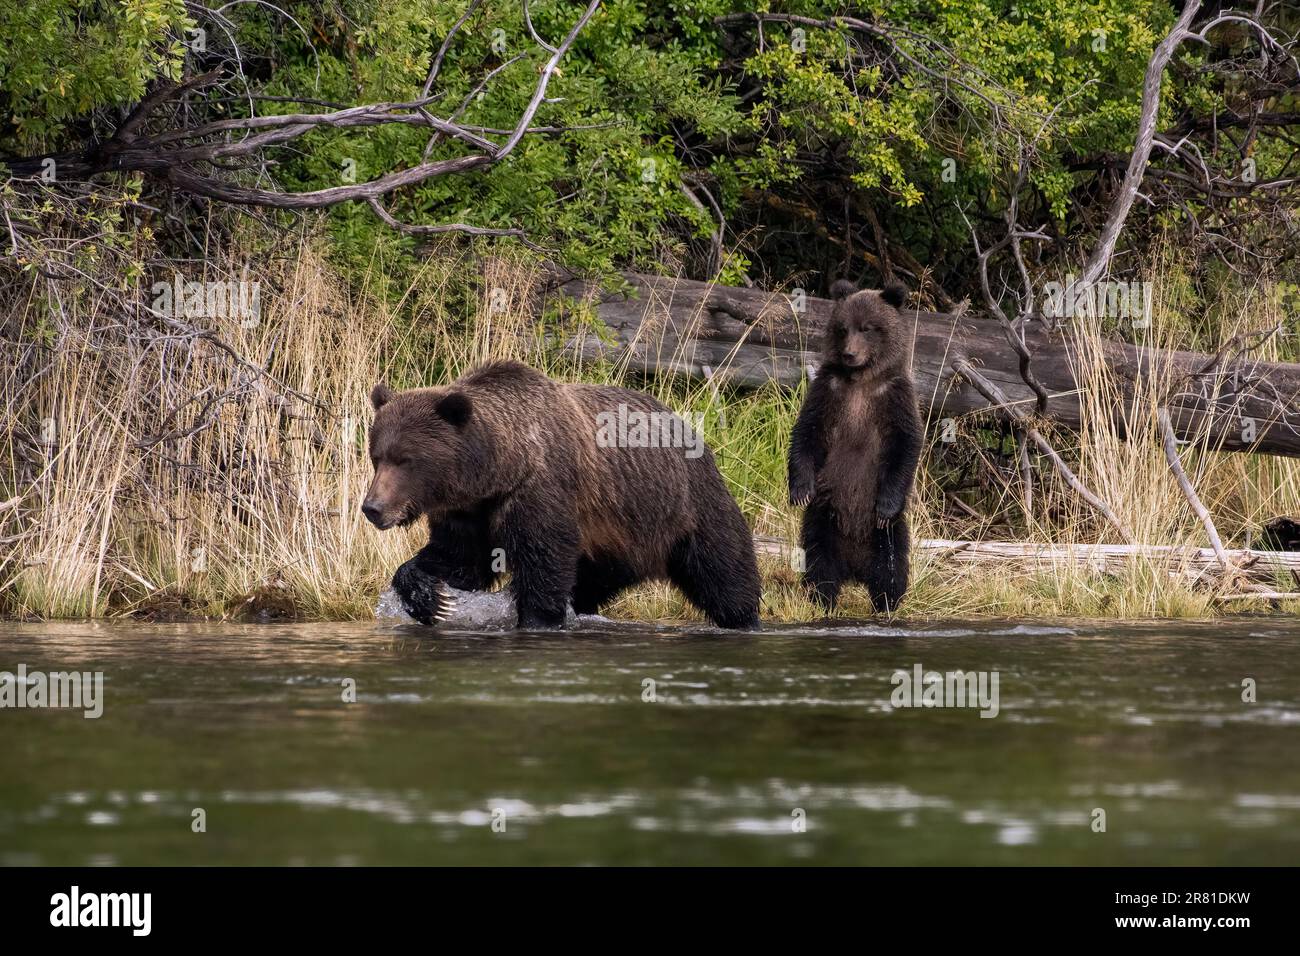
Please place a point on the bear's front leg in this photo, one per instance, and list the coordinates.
(808, 446)
(459, 551)
(900, 453)
(541, 544)
(458, 554)
(887, 565)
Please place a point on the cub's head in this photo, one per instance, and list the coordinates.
(417, 445)
(865, 333)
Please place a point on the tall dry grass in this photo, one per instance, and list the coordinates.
(211, 467)
(216, 466)
(1127, 468)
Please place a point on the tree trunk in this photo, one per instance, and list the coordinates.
(749, 337)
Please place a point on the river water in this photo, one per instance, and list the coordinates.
(623, 744)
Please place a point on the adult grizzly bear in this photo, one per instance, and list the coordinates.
(855, 448)
(506, 463)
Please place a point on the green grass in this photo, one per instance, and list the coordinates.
(268, 493)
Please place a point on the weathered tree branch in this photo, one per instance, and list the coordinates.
(1170, 443)
(181, 155)
(1123, 202)
(752, 337)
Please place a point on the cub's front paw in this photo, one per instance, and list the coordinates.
(886, 515)
(423, 596)
(801, 492)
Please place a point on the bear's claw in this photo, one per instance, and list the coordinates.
(423, 596)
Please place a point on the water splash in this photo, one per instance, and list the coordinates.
(473, 610)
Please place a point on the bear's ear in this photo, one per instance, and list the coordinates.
(455, 408)
(380, 396)
(842, 289)
(895, 294)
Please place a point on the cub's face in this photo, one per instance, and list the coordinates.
(864, 333)
(416, 447)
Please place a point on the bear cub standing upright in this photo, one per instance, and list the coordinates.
(505, 463)
(854, 451)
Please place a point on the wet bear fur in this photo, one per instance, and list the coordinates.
(854, 451)
(505, 466)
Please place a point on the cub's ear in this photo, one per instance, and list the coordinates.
(842, 289)
(895, 294)
(455, 408)
(381, 395)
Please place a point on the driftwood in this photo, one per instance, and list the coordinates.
(1258, 569)
(750, 337)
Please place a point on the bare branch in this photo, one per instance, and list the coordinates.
(447, 227)
(179, 155)
(998, 398)
(436, 66)
(1170, 443)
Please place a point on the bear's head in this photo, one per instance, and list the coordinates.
(418, 447)
(865, 333)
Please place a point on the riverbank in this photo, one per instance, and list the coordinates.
(170, 464)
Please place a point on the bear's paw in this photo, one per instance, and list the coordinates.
(424, 597)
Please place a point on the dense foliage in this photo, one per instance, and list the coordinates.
(814, 148)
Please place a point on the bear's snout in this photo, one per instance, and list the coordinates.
(374, 514)
(388, 502)
(385, 518)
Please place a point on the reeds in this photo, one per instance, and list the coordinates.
(215, 465)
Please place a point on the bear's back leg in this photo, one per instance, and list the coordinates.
(825, 567)
(886, 565)
(715, 568)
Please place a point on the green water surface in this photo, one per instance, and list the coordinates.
(780, 747)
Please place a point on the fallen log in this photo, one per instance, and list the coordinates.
(749, 337)
(1198, 565)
